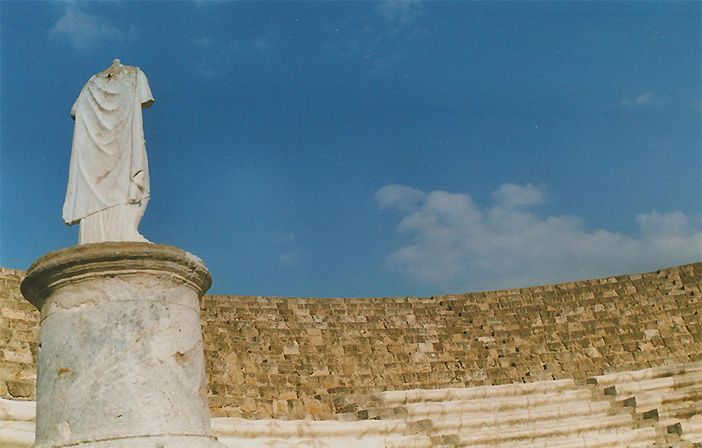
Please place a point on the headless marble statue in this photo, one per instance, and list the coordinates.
(108, 178)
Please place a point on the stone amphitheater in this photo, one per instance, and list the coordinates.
(608, 362)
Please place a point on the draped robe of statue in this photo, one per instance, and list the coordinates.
(108, 180)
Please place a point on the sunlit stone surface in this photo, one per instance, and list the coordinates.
(121, 360)
(108, 178)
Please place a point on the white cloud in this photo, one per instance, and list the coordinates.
(202, 42)
(400, 12)
(83, 30)
(380, 42)
(513, 195)
(207, 70)
(290, 258)
(401, 197)
(214, 54)
(262, 42)
(454, 245)
(643, 99)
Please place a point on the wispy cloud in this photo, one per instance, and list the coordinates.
(641, 100)
(400, 197)
(262, 42)
(202, 42)
(452, 244)
(380, 40)
(208, 70)
(512, 195)
(83, 30)
(290, 258)
(400, 12)
(215, 54)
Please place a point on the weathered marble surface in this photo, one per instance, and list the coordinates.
(121, 360)
(108, 178)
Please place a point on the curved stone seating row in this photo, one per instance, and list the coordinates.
(684, 410)
(542, 414)
(21, 435)
(673, 382)
(563, 400)
(17, 431)
(553, 414)
(689, 429)
(574, 411)
(671, 396)
(15, 410)
(237, 433)
(473, 393)
(17, 423)
(329, 442)
(421, 403)
(644, 374)
(15, 434)
(563, 430)
(631, 438)
(646, 401)
(578, 421)
(291, 428)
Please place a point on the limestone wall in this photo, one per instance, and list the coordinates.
(318, 358)
(326, 358)
(19, 339)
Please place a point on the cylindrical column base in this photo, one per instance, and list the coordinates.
(121, 362)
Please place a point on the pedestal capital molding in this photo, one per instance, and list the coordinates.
(78, 263)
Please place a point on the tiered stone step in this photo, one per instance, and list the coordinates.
(567, 431)
(241, 433)
(553, 414)
(636, 438)
(542, 414)
(673, 411)
(670, 396)
(17, 423)
(399, 397)
(16, 434)
(689, 429)
(647, 401)
(425, 403)
(667, 383)
(621, 378)
(571, 402)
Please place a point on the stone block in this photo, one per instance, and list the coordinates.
(20, 389)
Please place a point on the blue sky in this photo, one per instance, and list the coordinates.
(375, 148)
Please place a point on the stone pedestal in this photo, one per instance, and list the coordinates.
(121, 362)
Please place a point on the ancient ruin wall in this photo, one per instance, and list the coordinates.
(318, 358)
(324, 358)
(19, 339)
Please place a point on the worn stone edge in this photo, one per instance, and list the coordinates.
(112, 258)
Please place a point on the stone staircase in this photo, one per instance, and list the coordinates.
(667, 397)
(17, 423)
(657, 407)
